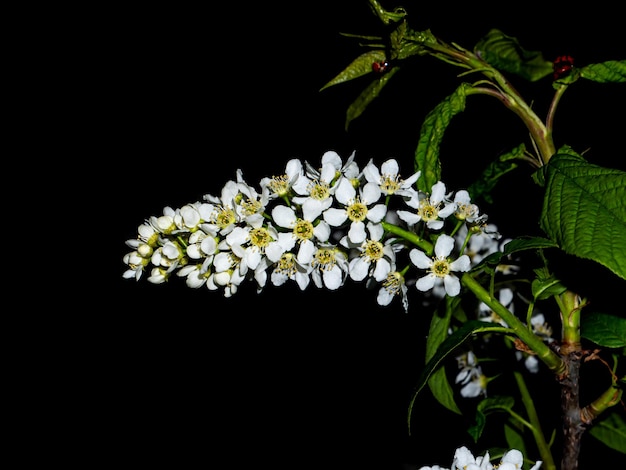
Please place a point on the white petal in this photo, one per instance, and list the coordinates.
(447, 211)
(335, 217)
(444, 245)
(357, 234)
(410, 218)
(425, 283)
(306, 251)
(333, 158)
(390, 167)
(371, 173)
(452, 285)
(384, 297)
(420, 259)
(358, 268)
(333, 278)
(376, 231)
(322, 231)
(438, 192)
(462, 264)
(284, 216)
(382, 269)
(377, 213)
(345, 192)
(371, 193)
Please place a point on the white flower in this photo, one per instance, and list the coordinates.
(315, 194)
(303, 232)
(190, 216)
(330, 267)
(373, 256)
(465, 210)
(280, 186)
(393, 285)
(470, 376)
(440, 268)
(429, 208)
(249, 243)
(356, 208)
(288, 268)
(389, 181)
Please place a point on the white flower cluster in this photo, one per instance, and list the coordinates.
(324, 225)
(465, 460)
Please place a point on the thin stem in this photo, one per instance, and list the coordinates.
(535, 428)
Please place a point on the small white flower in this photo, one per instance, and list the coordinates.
(465, 210)
(440, 269)
(389, 181)
(429, 208)
(373, 256)
(330, 267)
(281, 186)
(393, 286)
(304, 232)
(315, 195)
(356, 208)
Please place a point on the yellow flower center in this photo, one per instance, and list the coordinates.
(373, 250)
(427, 211)
(319, 190)
(390, 183)
(324, 259)
(303, 230)
(440, 268)
(224, 217)
(356, 210)
(260, 237)
(286, 265)
(279, 185)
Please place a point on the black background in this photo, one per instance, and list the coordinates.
(180, 97)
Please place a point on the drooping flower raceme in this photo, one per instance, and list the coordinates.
(323, 225)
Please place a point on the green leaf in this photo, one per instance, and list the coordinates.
(504, 53)
(367, 96)
(431, 135)
(437, 334)
(443, 351)
(527, 243)
(603, 329)
(513, 246)
(494, 171)
(359, 67)
(584, 210)
(612, 71)
(611, 431)
(486, 406)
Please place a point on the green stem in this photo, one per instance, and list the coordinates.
(425, 245)
(535, 428)
(554, 362)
